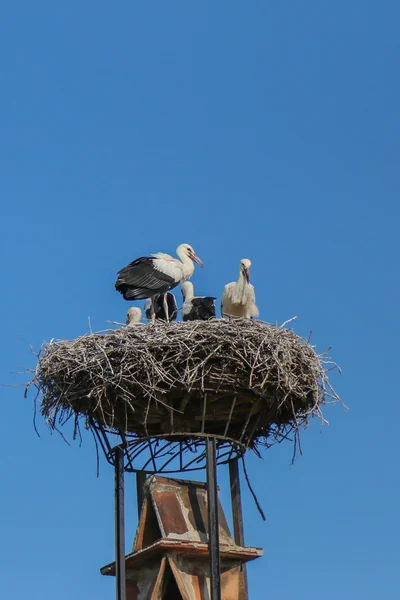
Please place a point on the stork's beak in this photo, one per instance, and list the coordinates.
(246, 273)
(197, 260)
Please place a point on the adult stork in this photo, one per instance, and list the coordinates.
(238, 298)
(160, 309)
(196, 308)
(133, 316)
(148, 276)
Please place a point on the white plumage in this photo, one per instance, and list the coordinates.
(133, 316)
(238, 298)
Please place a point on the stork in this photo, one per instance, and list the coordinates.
(196, 308)
(148, 276)
(133, 316)
(159, 307)
(238, 298)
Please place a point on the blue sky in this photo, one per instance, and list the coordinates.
(267, 130)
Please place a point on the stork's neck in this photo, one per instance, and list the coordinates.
(187, 264)
(240, 287)
(189, 292)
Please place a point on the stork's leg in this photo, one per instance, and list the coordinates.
(153, 311)
(166, 308)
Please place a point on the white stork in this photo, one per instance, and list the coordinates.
(159, 307)
(148, 276)
(196, 308)
(238, 298)
(133, 316)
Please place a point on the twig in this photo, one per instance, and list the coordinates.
(288, 321)
(260, 510)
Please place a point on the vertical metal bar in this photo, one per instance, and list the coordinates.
(204, 412)
(120, 579)
(140, 481)
(237, 515)
(213, 529)
(236, 502)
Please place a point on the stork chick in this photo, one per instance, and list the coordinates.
(133, 316)
(238, 298)
(196, 308)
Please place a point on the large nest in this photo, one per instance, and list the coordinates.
(245, 380)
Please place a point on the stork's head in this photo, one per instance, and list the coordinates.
(133, 315)
(187, 250)
(187, 290)
(245, 265)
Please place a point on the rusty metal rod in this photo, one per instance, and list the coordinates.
(236, 502)
(237, 515)
(120, 579)
(213, 528)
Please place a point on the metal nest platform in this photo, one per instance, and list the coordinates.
(166, 454)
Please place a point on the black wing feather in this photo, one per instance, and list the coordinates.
(140, 280)
(202, 309)
(206, 301)
(172, 307)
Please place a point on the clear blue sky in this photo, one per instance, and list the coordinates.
(267, 130)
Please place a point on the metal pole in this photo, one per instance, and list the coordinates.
(140, 481)
(120, 578)
(213, 529)
(237, 515)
